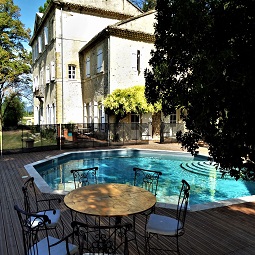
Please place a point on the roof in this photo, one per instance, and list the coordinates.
(118, 31)
(81, 8)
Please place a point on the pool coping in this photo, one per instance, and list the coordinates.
(44, 187)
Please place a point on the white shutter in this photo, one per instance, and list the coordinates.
(102, 114)
(47, 74)
(41, 78)
(85, 110)
(46, 35)
(39, 44)
(89, 113)
(134, 60)
(52, 71)
(34, 85)
(37, 83)
(95, 112)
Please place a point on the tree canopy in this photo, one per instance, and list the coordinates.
(203, 64)
(14, 110)
(15, 60)
(130, 100)
(44, 7)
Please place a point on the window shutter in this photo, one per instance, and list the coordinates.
(95, 112)
(88, 67)
(47, 74)
(36, 83)
(52, 71)
(46, 35)
(89, 113)
(134, 61)
(85, 110)
(41, 78)
(99, 61)
(39, 44)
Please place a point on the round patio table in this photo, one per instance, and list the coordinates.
(110, 200)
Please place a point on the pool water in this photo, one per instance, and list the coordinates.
(116, 166)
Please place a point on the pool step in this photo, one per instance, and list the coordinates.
(203, 168)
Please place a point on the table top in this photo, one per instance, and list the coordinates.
(110, 199)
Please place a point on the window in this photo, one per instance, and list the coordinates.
(172, 118)
(135, 119)
(99, 60)
(71, 72)
(46, 35)
(88, 67)
(52, 71)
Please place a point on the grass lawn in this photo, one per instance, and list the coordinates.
(13, 140)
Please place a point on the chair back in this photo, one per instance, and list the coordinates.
(182, 206)
(147, 179)
(31, 224)
(29, 195)
(102, 239)
(84, 177)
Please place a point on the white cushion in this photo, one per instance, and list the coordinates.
(50, 213)
(163, 225)
(59, 249)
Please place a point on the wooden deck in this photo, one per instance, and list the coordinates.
(224, 230)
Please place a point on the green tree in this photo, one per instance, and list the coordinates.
(129, 100)
(204, 65)
(15, 60)
(14, 110)
(44, 7)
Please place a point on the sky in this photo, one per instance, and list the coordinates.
(28, 9)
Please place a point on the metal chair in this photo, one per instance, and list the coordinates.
(48, 245)
(161, 225)
(102, 239)
(147, 179)
(34, 205)
(84, 177)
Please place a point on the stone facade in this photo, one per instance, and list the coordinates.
(59, 35)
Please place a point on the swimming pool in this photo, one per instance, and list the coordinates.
(116, 165)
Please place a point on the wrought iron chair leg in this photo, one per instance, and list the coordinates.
(134, 230)
(177, 244)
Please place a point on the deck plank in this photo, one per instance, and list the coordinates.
(226, 230)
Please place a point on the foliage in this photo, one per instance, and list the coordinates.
(44, 7)
(13, 111)
(15, 60)
(129, 100)
(204, 65)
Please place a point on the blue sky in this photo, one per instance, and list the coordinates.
(28, 9)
